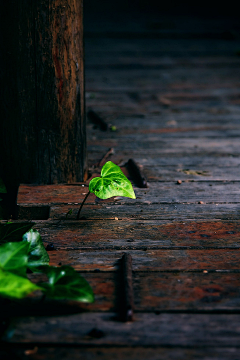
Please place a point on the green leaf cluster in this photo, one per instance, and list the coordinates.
(111, 183)
(65, 282)
(26, 251)
(21, 248)
(13, 266)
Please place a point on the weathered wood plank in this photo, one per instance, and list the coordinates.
(186, 291)
(149, 260)
(148, 79)
(119, 353)
(157, 192)
(47, 194)
(165, 291)
(154, 144)
(108, 211)
(155, 108)
(168, 125)
(177, 159)
(189, 192)
(199, 330)
(208, 117)
(138, 235)
(210, 132)
(168, 95)
(168, 129)
(186, 173)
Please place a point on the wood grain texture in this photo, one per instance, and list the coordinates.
(60, 93)
(163, 192)
(174, 103)
(42, 133)
(154, 144)
(108, 211)
(191, 292)
(152, 330)
(176, 159)
(153, 292)
(149, 260)
(138, 235)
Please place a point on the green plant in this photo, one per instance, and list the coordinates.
(26, 251)
(21, 248)
(112, 182)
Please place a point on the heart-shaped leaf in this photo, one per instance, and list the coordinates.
(13, 231)
(66, 283)
(111, 183)
(37, 255)
(14, 286)
(14, 257)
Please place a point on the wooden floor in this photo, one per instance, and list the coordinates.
(171, 91)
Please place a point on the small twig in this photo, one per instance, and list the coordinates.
(79, 211)
(128, 305)
(108, 153)
(136, 174)
(69, 213)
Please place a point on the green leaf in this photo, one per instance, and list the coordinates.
(3, 189)
(13, 257)
(111, 183)
(13, 231)
(66, 283)
(14, 286)
(37, 256)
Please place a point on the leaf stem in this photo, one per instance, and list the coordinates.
(79, 211)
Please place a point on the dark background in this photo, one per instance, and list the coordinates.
(163, 18)
(206, 8)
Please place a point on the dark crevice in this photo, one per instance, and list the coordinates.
(41, 212)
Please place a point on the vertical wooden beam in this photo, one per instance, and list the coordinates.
(60, 104)
(42, 127)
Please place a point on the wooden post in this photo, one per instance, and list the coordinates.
(42, 130)
(42, 110)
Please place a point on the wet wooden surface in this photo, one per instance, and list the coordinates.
(173, 98)
(148, 329)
